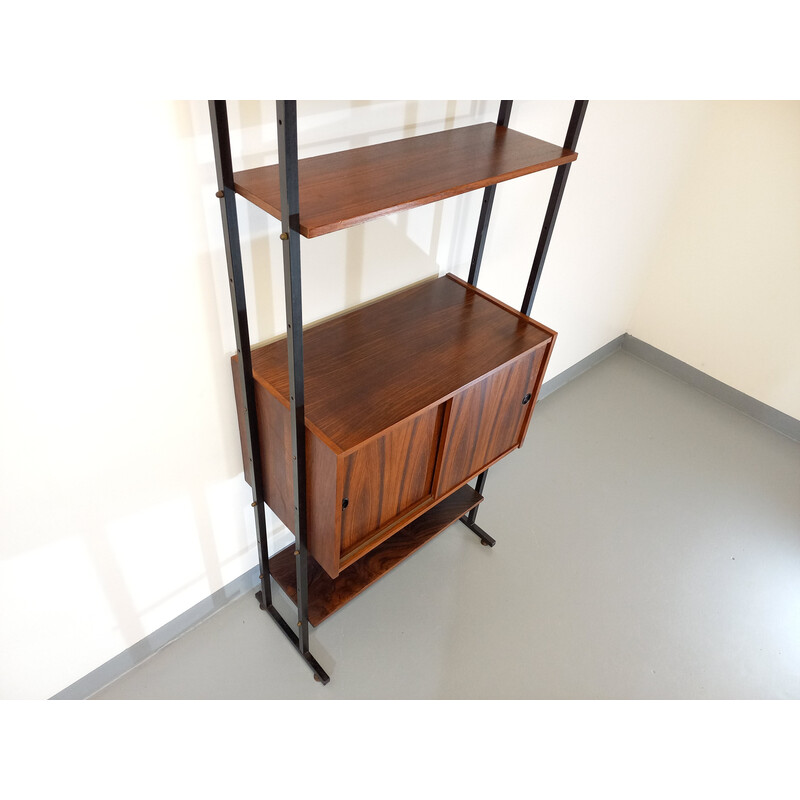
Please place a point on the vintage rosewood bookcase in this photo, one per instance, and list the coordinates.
(363, 432)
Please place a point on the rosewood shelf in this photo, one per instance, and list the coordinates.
(347, 188)
(326, 594)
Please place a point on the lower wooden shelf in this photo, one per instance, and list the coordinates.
(326, 594)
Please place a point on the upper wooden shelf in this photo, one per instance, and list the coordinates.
(343, 189)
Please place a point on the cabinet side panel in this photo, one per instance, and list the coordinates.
(275, 439)
(237, 392)
(276, 455)
(486, 420)
(274, 436)
(323, 540)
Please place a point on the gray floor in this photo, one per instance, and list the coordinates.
(648, 547)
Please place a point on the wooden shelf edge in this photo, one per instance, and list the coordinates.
(327, 595)
(491, 155)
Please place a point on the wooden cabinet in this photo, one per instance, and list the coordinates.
(407, 399)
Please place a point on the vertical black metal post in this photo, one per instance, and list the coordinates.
(570, 143)
(226, 193)
(230, 227)
(479, 484)
(562, 172)
(486, 208)
(290, 216)
(286, 111)
(503, 117)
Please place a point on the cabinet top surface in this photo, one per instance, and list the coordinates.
(347, 188)
(372, 367)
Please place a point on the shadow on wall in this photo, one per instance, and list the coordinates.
(162, 554)
(359, 264)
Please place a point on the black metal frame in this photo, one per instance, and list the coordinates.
(290, 236)
(562, 172)
(503, 117)
(557, 192)
(230, 229)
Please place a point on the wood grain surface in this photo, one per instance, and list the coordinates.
(343, 189)
(327, 594)
(373, 367)
(389, 475)
(278, 475)
(486, 420)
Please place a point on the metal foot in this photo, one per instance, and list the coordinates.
(486, 540)
(319, 674)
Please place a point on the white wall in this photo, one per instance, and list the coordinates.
(121, 506)
(122, 502)
(723, 292)
(631, 155)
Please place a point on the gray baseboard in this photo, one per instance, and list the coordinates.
(777, 420)
(563, 378)
(116, 667)
(135, 655)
